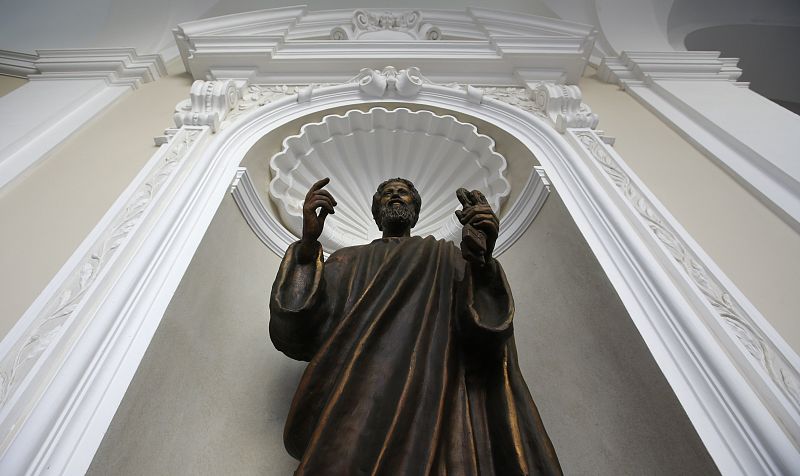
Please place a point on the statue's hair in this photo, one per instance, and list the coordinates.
(376, 200)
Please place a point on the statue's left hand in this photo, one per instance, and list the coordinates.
(481, 226)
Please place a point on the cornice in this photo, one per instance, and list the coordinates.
(665, 65)
(117, 66)
(19, 65)
(295, 46)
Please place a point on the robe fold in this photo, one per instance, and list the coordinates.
(412, 364)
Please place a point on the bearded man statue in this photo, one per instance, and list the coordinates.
(412, 363)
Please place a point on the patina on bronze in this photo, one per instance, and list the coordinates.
(413, 368)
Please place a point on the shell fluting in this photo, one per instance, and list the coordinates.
(358, 150)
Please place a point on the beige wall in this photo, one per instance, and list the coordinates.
(212, 393)
(48, 210)
(752, 246)
(10, 83)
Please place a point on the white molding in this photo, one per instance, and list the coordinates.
(116, 66)
(386, 25)
(209, 103)
(66, 88)
(61, 360)
(762, 356)
(281, 46)
(665, 65)
(649, 77)
(83, 375)
(264, 224)
(19, 65)
(45, 114)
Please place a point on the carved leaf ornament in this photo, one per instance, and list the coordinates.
(359, 150)
(60, 311)
(751, 338)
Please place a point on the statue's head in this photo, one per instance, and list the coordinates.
(396, 204)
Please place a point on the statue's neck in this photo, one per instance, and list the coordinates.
(396, 233)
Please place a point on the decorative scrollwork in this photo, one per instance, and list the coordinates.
(57, 315)
(735, 319)
(386, 25)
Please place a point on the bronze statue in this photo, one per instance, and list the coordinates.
(413, 368)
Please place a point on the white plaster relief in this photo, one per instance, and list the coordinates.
(560, 104)
(31, 357)
(386, 25)
(501, 47)
(763, 352)
(209, 103)
(257, 95)
(405, 82)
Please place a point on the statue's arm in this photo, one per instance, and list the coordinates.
(298, 301)
(486, 305)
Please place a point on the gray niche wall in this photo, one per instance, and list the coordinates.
(211, 394)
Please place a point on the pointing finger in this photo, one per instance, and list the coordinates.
(326, 194)
(463, 197)
(319, 184)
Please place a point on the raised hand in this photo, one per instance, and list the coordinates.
(313, 222)
(481, 226)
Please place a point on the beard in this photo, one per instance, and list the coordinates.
(394, 216)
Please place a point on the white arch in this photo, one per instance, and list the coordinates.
(123, 276)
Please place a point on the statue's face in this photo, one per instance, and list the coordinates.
(397, 206)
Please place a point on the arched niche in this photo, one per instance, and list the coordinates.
(102, 309)
(571, 330)
(516, 211)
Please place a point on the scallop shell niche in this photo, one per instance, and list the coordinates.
(359, 150)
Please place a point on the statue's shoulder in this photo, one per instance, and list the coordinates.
(343, 254)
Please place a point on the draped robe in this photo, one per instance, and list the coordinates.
(412, 364)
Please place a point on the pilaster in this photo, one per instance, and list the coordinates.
(697, 94)
(67, 87)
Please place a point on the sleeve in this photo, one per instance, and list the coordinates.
(486, 306)
(298, 305)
